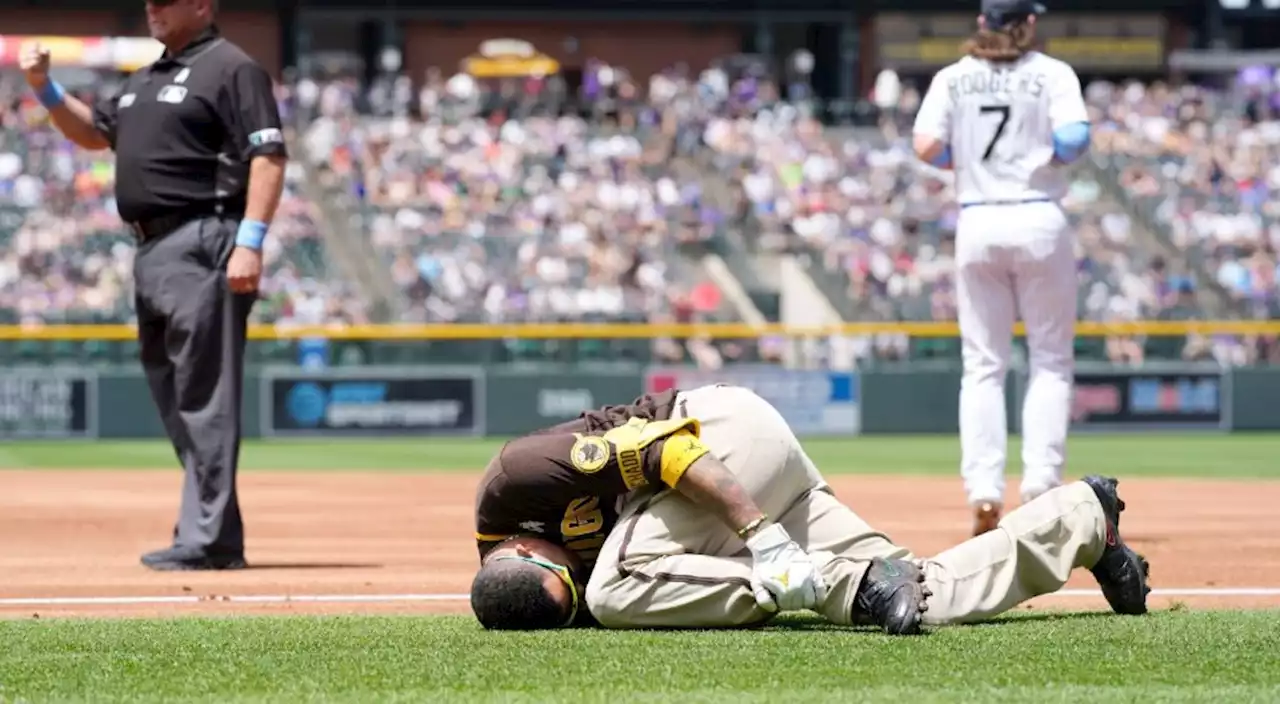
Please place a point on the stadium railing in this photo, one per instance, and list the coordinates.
(603, 343)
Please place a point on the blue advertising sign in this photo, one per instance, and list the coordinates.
(814, 402)
(373, 401)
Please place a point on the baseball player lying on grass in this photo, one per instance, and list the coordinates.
(699, 508)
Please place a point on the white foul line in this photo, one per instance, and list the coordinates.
(237, 599)
(1223, 592)
(1203, 591)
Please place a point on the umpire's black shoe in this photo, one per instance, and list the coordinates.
(178, 558)
(892, 596)
(1121, 572)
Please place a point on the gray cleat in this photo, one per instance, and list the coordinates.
(892, 596)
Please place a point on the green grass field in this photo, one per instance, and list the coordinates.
(1167, 657)
(1176, 655)
(1221, 456)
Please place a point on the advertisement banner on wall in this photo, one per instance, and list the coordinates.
(814, 402)
(521, 401)
(48, 403)
(373, 401)
(1140, 399)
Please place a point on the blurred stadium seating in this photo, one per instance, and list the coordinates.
(459, 201)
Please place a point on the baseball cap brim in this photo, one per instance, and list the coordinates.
(1001, 13)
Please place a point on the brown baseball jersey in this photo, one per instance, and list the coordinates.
(563, 483)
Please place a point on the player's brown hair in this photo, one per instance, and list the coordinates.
(1008, 44)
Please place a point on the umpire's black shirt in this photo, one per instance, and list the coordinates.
(185, 128)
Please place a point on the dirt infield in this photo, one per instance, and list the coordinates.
(401, 538)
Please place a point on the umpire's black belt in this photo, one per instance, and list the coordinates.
(155, 228)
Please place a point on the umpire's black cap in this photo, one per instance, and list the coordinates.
(1000, 13)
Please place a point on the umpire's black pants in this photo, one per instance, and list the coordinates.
(191, 330)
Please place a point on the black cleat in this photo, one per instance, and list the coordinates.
(1121, 572)
(892, 596)
(178, 559)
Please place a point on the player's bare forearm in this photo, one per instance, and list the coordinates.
(74, 120)
(711, 485)
(266, 183)
(932, 150)
(927, 147)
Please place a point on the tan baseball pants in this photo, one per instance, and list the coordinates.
(669, 563)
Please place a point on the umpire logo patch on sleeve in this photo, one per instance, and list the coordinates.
(589, 454)
(271, 135)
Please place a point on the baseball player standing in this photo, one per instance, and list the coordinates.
(1008, 119)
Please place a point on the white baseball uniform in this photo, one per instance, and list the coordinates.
(1014, 255)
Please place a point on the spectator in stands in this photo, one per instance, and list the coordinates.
(70, 259)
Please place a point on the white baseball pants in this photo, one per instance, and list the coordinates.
(1014, 260)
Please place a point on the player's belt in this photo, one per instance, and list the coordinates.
(1006, 202)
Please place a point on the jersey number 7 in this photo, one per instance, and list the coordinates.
(1003, 112)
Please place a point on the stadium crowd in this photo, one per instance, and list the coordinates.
(520, 201)
(1204, 164)
(66, 257)
(505, 207)
(866, 210)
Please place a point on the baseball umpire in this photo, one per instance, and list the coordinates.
(199, 172)
(699, 508)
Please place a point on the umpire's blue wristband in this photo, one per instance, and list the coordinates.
(251, 234)
(51, 95)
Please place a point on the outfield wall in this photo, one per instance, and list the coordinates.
(77, 402)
